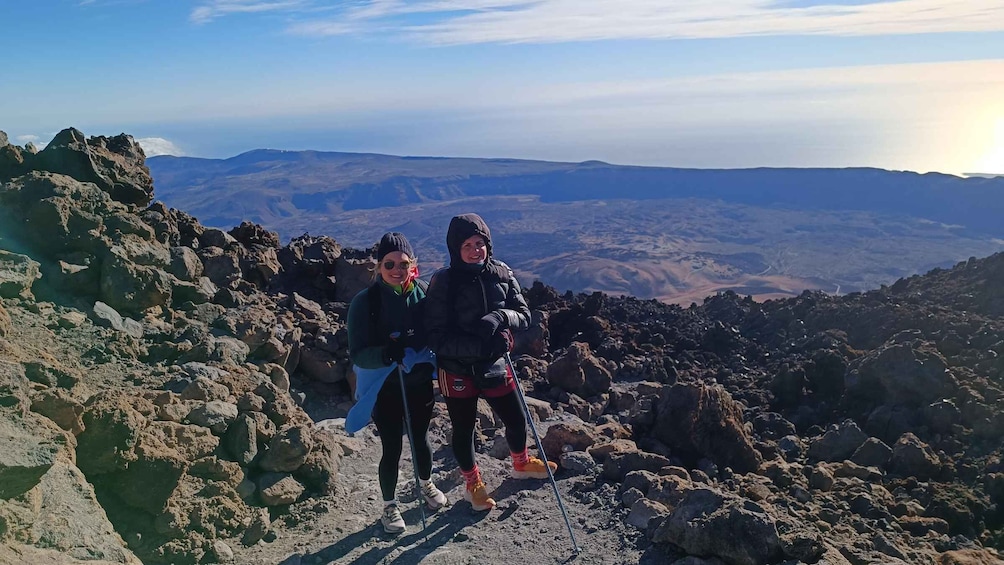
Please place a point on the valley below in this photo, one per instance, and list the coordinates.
(671, 234)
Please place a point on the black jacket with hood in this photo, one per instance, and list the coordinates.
(458, 297)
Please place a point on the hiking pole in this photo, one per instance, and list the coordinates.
(540, 448)
(411, 443)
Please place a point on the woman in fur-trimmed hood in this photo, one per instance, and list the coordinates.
(472, 308)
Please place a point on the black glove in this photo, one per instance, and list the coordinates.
(490, 323)
(500, 344)
(393, 352)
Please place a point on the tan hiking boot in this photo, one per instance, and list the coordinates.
(532, 469)
(477, 495)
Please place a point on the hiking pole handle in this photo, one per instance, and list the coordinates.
(540, 449)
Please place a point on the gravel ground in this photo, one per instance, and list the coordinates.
(525, 527)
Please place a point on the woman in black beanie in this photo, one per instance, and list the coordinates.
(385, 320)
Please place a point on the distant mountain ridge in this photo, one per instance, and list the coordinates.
(319, 181)
(667, 233)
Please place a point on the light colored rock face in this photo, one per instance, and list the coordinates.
(17, 275)
(29, 446)
(5, 322)
(70, 520)
(13, 387)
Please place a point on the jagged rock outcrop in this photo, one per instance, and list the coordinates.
(47, 507)
(703, 421)
(113, 164)
(189, 299)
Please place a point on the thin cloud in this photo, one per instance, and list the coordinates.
(32, 139)
(153, 146)
(549, 21)
(209, 11)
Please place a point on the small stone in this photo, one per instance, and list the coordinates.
(71, 320)
(223, 552)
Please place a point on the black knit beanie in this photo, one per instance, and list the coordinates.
(391, 242)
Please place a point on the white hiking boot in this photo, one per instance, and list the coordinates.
(393, 522)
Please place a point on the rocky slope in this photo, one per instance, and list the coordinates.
(171, 393)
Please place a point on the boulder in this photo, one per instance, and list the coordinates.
(30, 445)
(644, 511)
(215, 415)
(708, 523)
(241, 439)
(566, 436)
(57, 405)
(352, 275)
(60, 520)
(13, 387)
(106, 316)
(288, 450)
(277, 489)
(319, 470)
(133, 288)
(618, 464)
(190, 442)
(914, 458)
(579, 372)
(150, 478)
(704, 421)
(872, 453)
(58, 214)
(912, 374)
(838, 443)
(17, 274)
(114, 164)
(222, 267)
(112, 425)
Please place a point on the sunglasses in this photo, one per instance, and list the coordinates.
(390, 265)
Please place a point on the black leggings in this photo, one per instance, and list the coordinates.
(463, 415)
(388, 415)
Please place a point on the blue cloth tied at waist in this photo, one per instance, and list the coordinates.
(369, 382)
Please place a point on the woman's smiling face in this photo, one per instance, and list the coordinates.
(474, 249)
(395, 268)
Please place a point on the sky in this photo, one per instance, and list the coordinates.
(902, 84)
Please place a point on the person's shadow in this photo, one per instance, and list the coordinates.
(441, 528)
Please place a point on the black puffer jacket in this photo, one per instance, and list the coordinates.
(458, 296)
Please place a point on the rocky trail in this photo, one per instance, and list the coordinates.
(525, 527)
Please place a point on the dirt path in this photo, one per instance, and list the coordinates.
(525, 527)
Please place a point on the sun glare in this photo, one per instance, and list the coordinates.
(993, 160)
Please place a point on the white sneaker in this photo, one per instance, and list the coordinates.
(434, 498)
(393, 522)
